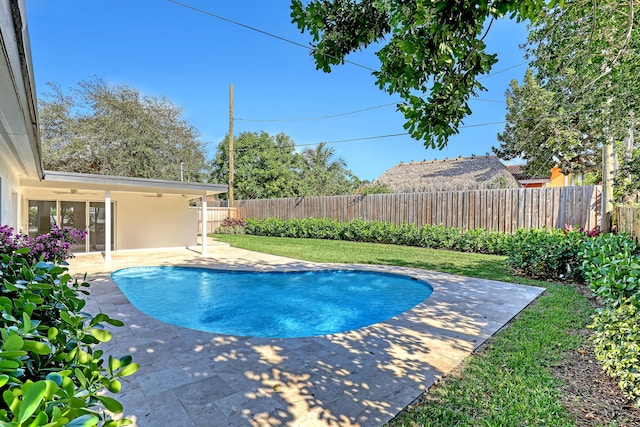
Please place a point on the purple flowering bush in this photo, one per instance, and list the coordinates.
(54, 246)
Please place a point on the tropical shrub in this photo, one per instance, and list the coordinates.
(545, 254)
(51, 374)
(231, 226)
(611, 265)
(616, 341)
(483, 241)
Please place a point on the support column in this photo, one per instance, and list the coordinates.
(205, 225)
(107, 226)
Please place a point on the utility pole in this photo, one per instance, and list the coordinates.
(231, 155)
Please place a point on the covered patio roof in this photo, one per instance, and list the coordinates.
(78, 182)
(83, 181)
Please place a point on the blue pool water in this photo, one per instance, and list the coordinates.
(269, 304)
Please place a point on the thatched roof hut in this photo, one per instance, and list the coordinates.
(462, 173)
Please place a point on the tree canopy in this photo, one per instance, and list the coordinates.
(114, 130)
(265, 166)
(432, 54)
(268, 166)
(540, 131)
(582, 89)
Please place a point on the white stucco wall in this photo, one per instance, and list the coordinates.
(154, 222)
(9, 195)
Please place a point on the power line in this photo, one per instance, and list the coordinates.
(365, 138)
(390, 135)
(318, 118)
(503, 70)
(353, 139)
(331, 116)
(266, 33)
(488, 100)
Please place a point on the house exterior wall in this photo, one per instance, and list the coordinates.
(19, 148)
(9, 195)
(558, 179)
(141, 220)
(154, 222)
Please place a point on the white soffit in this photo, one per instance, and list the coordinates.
(118, 183)
(19, 143)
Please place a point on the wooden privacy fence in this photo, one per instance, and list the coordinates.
(503, 210)
(628, 220)
(215, 216)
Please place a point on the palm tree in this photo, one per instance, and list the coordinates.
(323, 174)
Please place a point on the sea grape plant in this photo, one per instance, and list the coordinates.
(51, 372)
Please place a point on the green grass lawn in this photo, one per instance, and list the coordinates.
(509, 383)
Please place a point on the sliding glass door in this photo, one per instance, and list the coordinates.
(97, 227)
(88, 216)
(43, 215)
(74, 215)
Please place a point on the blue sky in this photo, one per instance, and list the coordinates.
(164, 49)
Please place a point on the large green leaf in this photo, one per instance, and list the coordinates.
(33, 395)
(101, 335)
(36, 347)
(26, 323)
(40, 420)
(84, 421)
(14, 342)
(111, 404)
(8, 365)
(12, 354)
(129, 370)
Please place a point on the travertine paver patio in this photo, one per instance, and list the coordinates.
(357, 378)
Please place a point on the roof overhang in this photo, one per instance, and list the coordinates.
(19, 137)
(83, 181)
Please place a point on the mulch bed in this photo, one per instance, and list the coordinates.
(588, 393)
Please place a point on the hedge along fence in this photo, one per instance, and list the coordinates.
(504, 210)
(546, 255)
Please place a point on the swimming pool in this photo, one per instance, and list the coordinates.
(269, 304)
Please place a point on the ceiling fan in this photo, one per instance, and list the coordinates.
(75, 192)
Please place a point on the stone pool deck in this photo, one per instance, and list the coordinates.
(357, 378)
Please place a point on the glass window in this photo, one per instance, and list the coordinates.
(42, 216)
